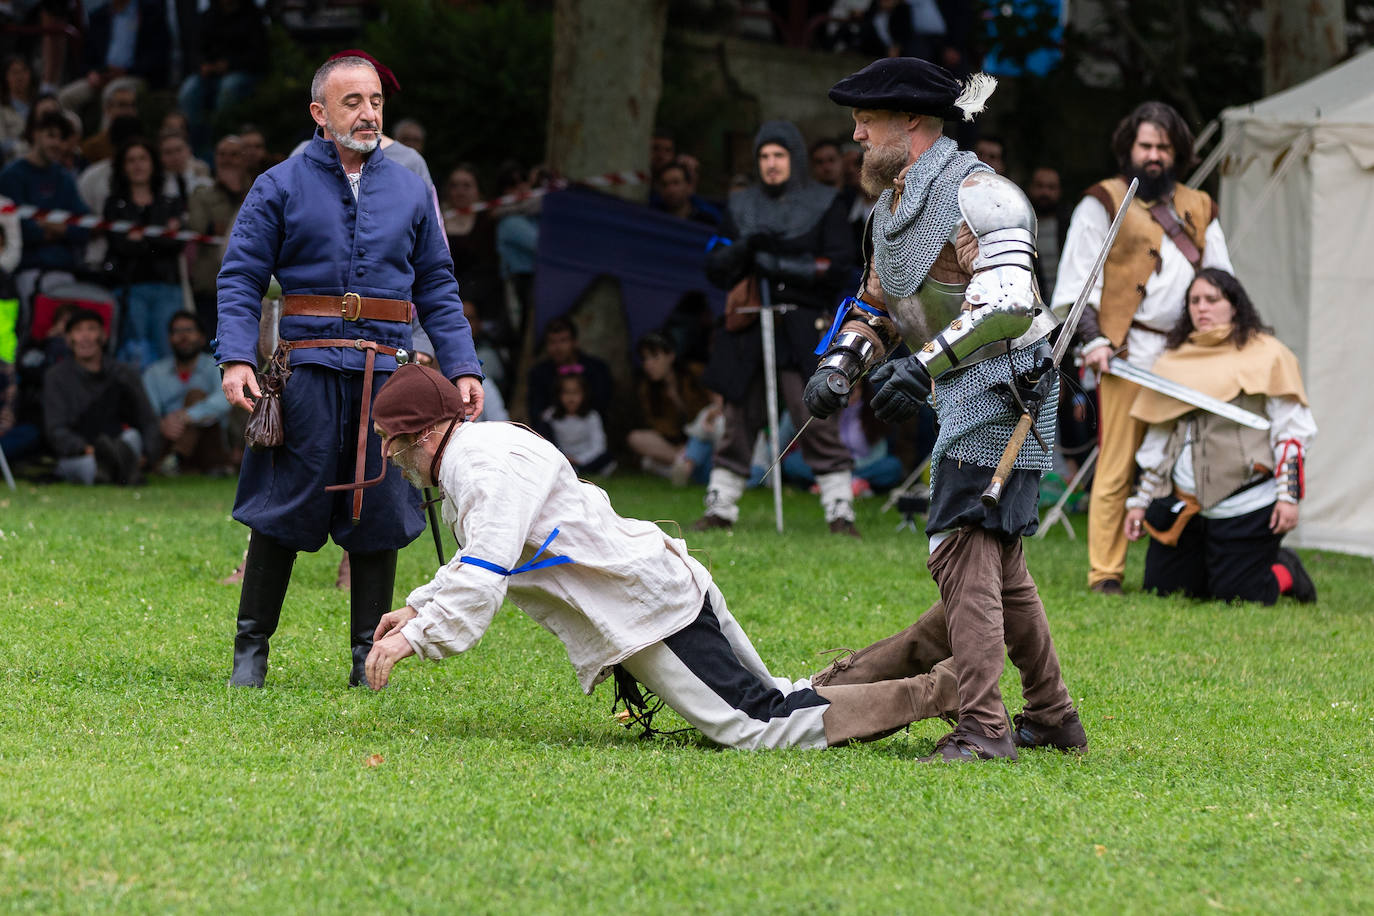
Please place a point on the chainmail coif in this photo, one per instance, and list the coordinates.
(907, 242)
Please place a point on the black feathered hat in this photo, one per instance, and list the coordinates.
(914, 86)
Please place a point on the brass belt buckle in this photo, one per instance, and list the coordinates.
(357, 308)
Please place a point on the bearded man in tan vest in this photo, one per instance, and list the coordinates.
(1170, 232)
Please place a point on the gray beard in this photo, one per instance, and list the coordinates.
(358, 146)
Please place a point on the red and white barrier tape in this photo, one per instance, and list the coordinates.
(608, 180)
(95, 223)
(124, 227)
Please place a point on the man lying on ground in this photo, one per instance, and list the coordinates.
(624, 598)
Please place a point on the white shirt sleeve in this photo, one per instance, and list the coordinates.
(1087, 231)
(1215, 252)
(1289, 419)
(495, 501)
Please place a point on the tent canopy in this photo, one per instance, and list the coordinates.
(1297, 196)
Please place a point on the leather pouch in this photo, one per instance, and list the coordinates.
(265, 427)
(1166, 517)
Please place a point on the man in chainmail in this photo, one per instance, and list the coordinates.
(952, 244)
(792, 234)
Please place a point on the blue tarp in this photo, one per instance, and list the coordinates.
(657, 258)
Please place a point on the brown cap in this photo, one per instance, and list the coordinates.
(414, 399)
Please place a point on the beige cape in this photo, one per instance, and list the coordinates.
(1209, 362)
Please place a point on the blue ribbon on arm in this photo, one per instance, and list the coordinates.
(533, 564)
(715, 240)
(839, 320)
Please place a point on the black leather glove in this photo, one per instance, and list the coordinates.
(821, 396)
(902, 387)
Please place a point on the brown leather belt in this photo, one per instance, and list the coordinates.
(1145, 327)
(365, 411)
(349, 306)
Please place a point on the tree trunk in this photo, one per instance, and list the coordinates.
(607, 63)
(1301, 39)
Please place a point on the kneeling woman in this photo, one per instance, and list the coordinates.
(1217, 497)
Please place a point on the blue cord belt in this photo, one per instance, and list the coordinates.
(533, 564)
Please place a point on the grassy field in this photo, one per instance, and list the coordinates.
(1232, 760)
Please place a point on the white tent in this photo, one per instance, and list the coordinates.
(1297, 204)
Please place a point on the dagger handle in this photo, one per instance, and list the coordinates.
(993, 494)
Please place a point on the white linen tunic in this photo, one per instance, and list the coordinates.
(505, 491)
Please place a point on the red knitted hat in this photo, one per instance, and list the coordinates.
(390, 85)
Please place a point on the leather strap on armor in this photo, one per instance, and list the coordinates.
(349, 307)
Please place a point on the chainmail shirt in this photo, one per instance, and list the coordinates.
(907, 242)
(975, 424)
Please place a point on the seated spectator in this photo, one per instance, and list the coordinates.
(119, 100)
(17, 438)
(562, 357)
(184, 390)
(17, 94)
(126, 43)
(184, 173)
(517, 236)
(887, 30)
(866, 438)
(828, 168)
(670, 399)
(577, 429)
(1215, 497)
(254, 147)
(94, 181)
(233, 58)
(410, 132)
(40, 180)
(493, 359)
(673, 194)
(211, 211)
(472, 243)
(993, 152)
(143, 267)
(96, 414)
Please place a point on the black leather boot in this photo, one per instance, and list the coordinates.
(374, 579)
(266, 573)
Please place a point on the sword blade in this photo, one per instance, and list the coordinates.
(785, 448)
(1122, 369)
(1071, 320)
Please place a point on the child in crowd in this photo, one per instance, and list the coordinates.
(577, 429)
(671, 403)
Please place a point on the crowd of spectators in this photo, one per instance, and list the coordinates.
(78, 136)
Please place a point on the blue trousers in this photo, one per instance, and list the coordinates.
(281, 490)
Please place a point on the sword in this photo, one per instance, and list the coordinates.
(1122, 369)
(838, 384)
(993, 494)
(434, 526)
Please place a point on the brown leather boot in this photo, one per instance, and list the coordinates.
(915, 650)
(867, 712)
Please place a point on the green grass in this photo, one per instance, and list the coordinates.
(1232, 761)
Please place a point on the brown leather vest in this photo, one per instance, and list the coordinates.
(1135, 255)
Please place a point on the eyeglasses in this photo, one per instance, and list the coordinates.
(391, 456)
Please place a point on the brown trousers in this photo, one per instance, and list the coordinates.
(990, 599)
(1118, 437)
(904, 678)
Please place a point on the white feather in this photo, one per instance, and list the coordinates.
(974, 97)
